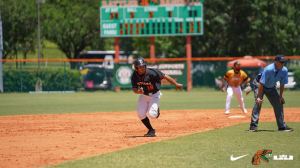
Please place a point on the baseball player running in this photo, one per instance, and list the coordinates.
(235, 78)
(146, 82)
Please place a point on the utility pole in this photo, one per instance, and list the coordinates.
(38, 2)
(189, 63)
(1, 56)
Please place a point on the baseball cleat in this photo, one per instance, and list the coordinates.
(286, 129)
(253, 129)
(150, 133)
(227, 112)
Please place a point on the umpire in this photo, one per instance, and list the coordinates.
(266, 85)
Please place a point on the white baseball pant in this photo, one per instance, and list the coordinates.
(239, 95)
(148, 105)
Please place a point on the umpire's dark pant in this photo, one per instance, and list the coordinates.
(274, 98)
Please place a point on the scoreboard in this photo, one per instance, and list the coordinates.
(153, 20)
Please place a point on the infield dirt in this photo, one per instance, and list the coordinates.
(41, 140)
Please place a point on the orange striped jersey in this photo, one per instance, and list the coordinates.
(234, 79)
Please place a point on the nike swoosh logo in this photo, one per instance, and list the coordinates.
(236, 158)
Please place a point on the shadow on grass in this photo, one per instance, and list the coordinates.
(262, 130)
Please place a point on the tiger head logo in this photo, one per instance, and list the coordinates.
(261, 154)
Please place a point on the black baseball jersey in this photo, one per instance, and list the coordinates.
(150, 81)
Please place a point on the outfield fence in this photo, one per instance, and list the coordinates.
(25, 75)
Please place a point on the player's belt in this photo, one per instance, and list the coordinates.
(270, 87)
(151, 93)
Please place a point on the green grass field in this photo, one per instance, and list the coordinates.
(208, 149)
(107, 101)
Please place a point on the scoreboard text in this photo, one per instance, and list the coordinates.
(139, 21)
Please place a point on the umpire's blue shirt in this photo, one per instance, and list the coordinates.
(271, 75)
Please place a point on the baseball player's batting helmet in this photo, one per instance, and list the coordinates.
(139, 62)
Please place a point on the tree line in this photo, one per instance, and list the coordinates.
(231, 28)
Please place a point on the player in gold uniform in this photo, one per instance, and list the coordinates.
(235, 78)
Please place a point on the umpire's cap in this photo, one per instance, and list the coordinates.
(139, 62)
(280, 58)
